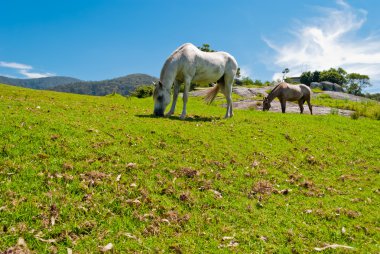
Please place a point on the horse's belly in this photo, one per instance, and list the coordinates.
(208, 75)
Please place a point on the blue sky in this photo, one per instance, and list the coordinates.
(102, 39)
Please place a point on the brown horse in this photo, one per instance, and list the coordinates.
(286, 92)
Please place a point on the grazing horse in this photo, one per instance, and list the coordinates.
(188, 64)
(286, 92)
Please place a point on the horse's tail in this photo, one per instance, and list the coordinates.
(211, 94)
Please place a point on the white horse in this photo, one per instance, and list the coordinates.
(188, 64)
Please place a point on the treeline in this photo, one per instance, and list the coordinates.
(38, 83)
(353, 83)
(123, 85)
(373, 96)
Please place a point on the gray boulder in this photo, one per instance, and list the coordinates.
(316, 85)
(327, 86)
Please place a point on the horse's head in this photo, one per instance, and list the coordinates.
(266, 104)
(161, 97)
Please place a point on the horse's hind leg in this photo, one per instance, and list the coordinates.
(228, 93)
(300, 103)
(175, 97)
(310, 107)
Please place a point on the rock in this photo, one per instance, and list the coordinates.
(326, 86)
(316, 85)
(329, 86)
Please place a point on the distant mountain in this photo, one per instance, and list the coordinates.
(123, 85)
(38, 83)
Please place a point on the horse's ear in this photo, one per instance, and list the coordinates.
(160, 84)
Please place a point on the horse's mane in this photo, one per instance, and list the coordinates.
(170, 58)
(275, 88)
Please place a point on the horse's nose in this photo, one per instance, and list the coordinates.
(158, 113)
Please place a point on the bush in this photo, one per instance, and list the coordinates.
(143, 91)
(247, 82)
(355, 115)
(334, 111)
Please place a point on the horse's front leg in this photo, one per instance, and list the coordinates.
(185, 98)
(175, 97)
(283, 105)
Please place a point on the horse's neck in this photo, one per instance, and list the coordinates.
(168, 73)
(274, 93)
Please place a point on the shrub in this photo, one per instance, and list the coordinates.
(247, 81)
(355, 115)
(334, 111)
(317, 90)
(143, 91)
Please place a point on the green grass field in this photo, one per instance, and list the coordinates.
(81, 172)
(370, 109)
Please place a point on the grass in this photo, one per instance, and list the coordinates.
(317, 90)
(369, 109)
(80, 172)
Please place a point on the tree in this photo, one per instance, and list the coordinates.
(356, 83)
(246, 81)
(333, 76)
(238, 73)
(284, 72)
(341, 71)
(353, 82)
(316, 77)
(206, 48)
(306, 78)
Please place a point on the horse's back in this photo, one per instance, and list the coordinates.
(204, 66)
(190, 52)
(306, 91)
(293, 92)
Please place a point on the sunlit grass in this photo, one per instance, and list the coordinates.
(80, 172)
(369, 109)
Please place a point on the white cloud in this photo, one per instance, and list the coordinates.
(35, 74)
(24, 70)
(15, 66)
(330, 40)
(245, 71)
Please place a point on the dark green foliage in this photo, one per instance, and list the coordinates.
(246, 81)
(238, 73)
(356, 83)
(333, 76)
(123, 85)
(38, 83)
(206, 48)
(353, 82)
(143, 91)
(308, 77)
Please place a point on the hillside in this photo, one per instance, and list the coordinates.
(80, 172)
(38, 83)
(123, 85)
